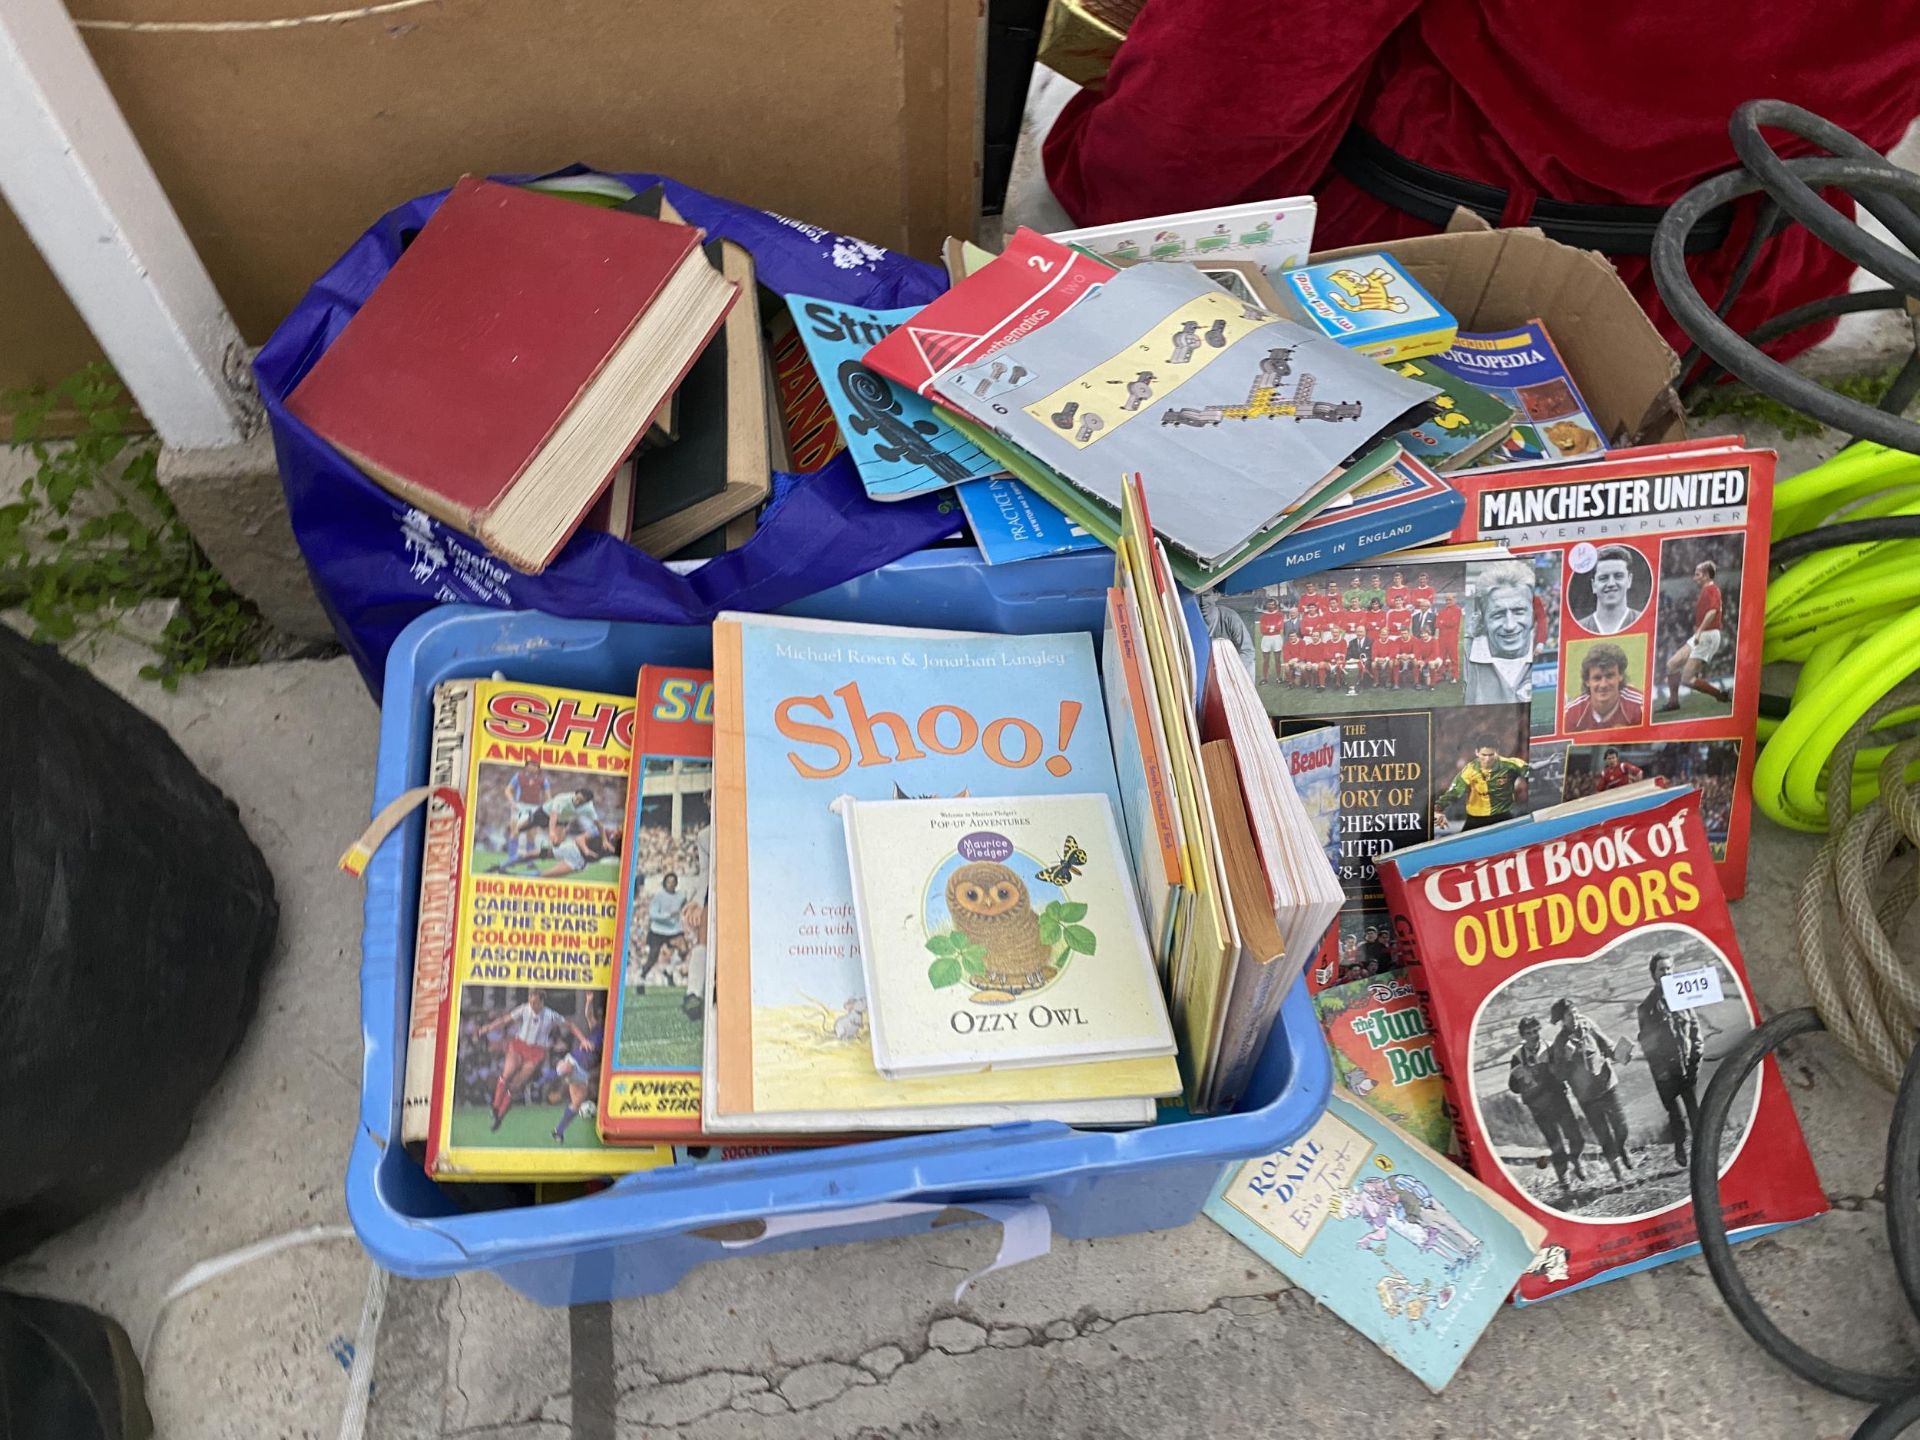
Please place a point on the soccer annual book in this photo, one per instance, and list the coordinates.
(517, 1069)
(650, 1079)
(1001, 933)
(1584, 984)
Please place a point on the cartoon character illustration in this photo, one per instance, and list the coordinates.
(1063, 417)
(1405, 1206)
(851, 1021)
(1367, 292)
(1139, 389)
(1551, 1261)
(1216, 335)
(1218, 239)
(1089, 422)
(1186, 340)
(1357, 1080)
(990, 906)
(1128, 249)
(1570, 437)
(1259, 235)
(1400, 1297)
(1167, 245)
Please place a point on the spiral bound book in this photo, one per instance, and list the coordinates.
(1000, 933)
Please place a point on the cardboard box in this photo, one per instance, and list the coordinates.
(280, 139)
(1495, 279)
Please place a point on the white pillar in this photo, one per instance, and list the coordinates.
(81, 186)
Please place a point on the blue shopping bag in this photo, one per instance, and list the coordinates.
(378, 562)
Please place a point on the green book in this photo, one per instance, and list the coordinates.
(1466, 424)
(1103, 523)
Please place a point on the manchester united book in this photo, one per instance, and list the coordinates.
(517, 1074)
(650, 1084)
(1651, 564)
(1584, 984)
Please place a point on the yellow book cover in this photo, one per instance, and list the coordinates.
(517, 1072)
(805, 712)
(1206, 943)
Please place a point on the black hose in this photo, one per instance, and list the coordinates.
(1846, 532)
(1887, 190)
(1705, 1166)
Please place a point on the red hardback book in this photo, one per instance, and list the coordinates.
(1584, 983)
(1034, 281)
(488, 333)
(1651, 566)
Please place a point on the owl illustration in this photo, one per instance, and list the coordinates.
(989, 905)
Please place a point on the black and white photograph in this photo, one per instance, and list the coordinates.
(1613, 592)
(1513, 634)
(1587, 1075)
(1696, 634)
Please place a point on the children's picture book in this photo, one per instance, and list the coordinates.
(1369, 304)
(1405, 1247)
(1650, 665)
(890, 431)
(807, 711)
(650, 1075)
(1030, 284)
(1010, 522)
(440, 855)
(1521, 368)
(524, 1025)
(1404, 505)
(1149, 805)
(1467, 421)
(1232, 417)
(1274, 234)
(999, 933)
(1584, 983)
(1383, 1055)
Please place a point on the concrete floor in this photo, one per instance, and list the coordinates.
(1148, 1335)
(1177, 1333)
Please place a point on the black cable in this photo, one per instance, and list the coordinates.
(1846, 532)
(1704, 1173)
(1854, 302)
(1886, 189)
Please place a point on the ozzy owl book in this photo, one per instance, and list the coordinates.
(997, 934)
(806, 712)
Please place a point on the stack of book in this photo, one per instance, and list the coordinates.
(533, 366)
(858, 879)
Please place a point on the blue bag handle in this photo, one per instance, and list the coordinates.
(378, 564)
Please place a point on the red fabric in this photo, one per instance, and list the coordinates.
(1216, 102)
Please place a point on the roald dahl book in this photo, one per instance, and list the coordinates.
(517, 1073)
(999, 934)
(1410, 1251)
(808, 711)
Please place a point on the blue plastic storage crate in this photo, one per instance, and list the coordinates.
(645, 1232)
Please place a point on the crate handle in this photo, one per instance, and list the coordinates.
(1026, 1227)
